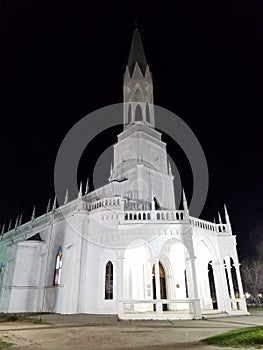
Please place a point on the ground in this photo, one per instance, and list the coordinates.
(79, 332)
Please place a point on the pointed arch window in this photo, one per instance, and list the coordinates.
(109, 281)
(138, 113)
(148, 118)
(58, 266)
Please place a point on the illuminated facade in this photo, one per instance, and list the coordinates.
(125, 248)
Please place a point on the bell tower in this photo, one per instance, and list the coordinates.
(137, 87)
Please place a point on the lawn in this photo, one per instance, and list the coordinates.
(255, 308)
(20, 318)
(243, 337)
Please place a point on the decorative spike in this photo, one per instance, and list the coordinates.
(17, 219)
(185, 205)
(9, 225)
(226, 213)
(66, 197)
(87, 186)
(227, 220)
(54, 204)
(219, 217)
(214, 221)
(111, 169)
(33, 214)
(80, 190)
(3, 229)
(169, 168)
(20, 220)
(48, 205)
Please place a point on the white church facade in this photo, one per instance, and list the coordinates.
(124, 249)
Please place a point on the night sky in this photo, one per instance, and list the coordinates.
(60, 61)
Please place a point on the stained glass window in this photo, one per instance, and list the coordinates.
(109, 281)
(58, 265)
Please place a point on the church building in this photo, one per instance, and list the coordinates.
(124, 249)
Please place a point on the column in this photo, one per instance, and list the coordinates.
(230, 280)
(243, 305)
(197, 304)
(119, 286)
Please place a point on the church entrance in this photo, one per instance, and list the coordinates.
(162, 286)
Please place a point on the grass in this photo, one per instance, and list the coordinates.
(255, 308)
(243, 337)
(19, 318)
(4, 344)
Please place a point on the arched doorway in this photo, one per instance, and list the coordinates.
(212, 285)
(163, 293)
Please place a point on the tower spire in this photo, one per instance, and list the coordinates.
(137, 54)
(138, 88)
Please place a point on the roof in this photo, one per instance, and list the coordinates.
(137, 54)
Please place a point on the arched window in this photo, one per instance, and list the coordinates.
(58, 265)
(109, 281)
(148, 113)
(138, 113)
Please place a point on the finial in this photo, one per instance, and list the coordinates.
(66, 197)
(16, 223)
(48, 205)
(219, 217)
(227, 218)
(20, 220)
(33, 214)
(9, 225)
(185, 205)
(169, 168)
(80, 190)
(226, 213)
(111, 169)
(54, 204)
(3, 229)
(87, 186)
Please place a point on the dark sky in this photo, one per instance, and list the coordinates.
(64, 59)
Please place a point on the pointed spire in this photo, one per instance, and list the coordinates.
(226, 214)
(111, 169)
(80, 190)
(87, 186)
(3, 229)
(48, 205)
(185, 205)
(20, 220)
(16, 223)
(219, 218)
(9, 225)
(66, 197)
(54, 204)
(169, 168)
(137, 54)
(33, 214)
(227, 220)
